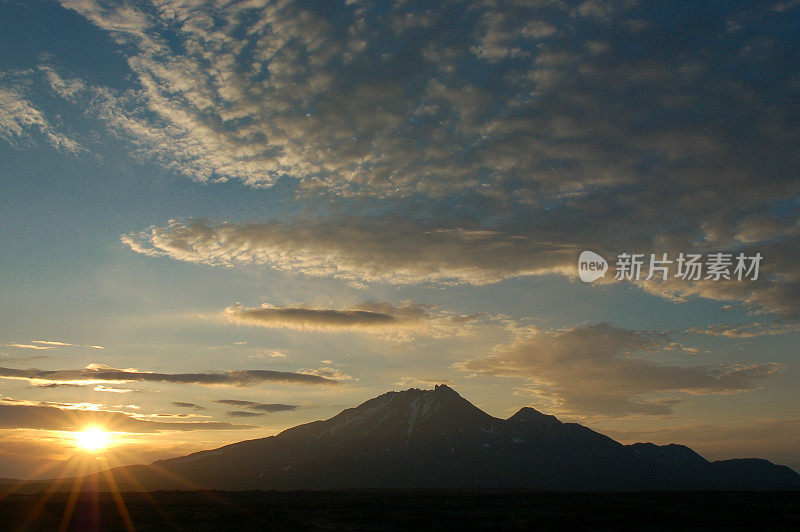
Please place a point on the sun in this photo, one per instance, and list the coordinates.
(93, 439)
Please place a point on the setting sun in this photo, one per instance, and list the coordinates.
(93, 439)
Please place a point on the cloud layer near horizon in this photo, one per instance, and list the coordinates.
(48, 417)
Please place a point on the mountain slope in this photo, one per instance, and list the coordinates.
(437, 439)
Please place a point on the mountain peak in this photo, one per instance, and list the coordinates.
(528, 414)
(443, 389)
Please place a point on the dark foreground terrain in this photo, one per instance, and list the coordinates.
(401, 509)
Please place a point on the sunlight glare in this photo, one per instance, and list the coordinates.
(93, 439)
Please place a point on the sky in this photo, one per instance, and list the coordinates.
(220, 219)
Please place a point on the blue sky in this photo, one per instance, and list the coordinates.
(389, 194)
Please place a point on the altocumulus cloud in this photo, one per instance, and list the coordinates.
(98, 374)
(599, 369)
(531, 101)
(20, 121)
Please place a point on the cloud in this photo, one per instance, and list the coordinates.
(396, 323)
(181, 404)
(111, 389)
(258, 408)
(53, 343)
(414, 382)
(775, 292)
(101, 374)
(601, 369)
(579, 141)
(19, 119)
(244, 413)
(48, 344)
(386, 249)
(269, 354)
(48, 417)
(30, 346)
(391, 101)
(521, 134)
(746, 330)
(328, 373)
(400, 250)
(365, 316)
(375, 101)
(308, 318)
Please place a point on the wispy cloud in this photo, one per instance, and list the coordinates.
(421, 382)
(31, 346)
(372, 316)
(746, 330)
(310, 318)
(101, 374)
(48, 344)
(328, 372)
(254, 408)
(182, 404)
(52, 343)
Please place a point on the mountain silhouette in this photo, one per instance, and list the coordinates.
(437, 439)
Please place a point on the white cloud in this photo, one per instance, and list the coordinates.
(19, 119)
